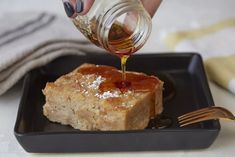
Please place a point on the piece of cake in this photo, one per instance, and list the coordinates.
(92, 97)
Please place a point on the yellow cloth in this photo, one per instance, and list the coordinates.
(216, 43)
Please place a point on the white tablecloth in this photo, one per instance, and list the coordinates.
(171, 13)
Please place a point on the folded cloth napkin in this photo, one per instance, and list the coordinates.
(29, 40)
(215, 42)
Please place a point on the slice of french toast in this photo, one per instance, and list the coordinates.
(90, 98)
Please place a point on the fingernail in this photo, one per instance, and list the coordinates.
(79, 6)
(68, 9)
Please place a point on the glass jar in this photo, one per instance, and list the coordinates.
(120, 26)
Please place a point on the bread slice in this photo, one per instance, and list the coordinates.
(76, 99)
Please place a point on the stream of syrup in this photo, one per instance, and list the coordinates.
(121, 41)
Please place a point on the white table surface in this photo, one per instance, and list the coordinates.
(171, 13)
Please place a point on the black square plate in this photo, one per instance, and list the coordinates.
(186, 89)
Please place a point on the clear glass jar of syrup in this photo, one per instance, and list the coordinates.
(120, 26)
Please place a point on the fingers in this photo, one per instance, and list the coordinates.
(77, 7)
(151, 6)
(81, 7)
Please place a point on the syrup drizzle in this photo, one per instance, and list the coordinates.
(114, 81)
(123, 66)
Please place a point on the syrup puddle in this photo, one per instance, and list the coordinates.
(160, 122)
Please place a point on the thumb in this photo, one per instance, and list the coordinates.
(151, 6)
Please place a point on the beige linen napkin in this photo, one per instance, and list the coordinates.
(29, 40)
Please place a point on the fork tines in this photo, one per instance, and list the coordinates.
(196, 116)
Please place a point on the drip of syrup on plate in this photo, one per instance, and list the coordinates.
(160, 122)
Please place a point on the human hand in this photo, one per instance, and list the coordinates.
(81, 7)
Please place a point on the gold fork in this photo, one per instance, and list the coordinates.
(205, 114)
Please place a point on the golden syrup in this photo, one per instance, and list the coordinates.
(133, 82)
(123, 65)
(120, 39)
(113, 79)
